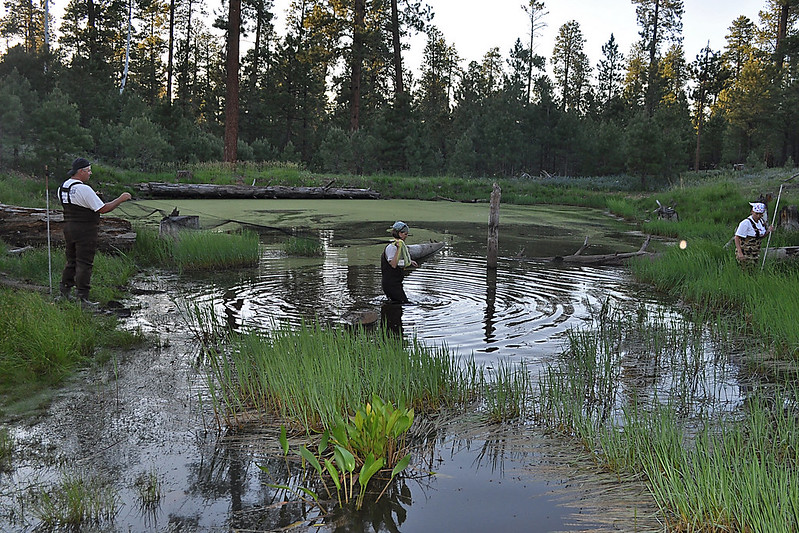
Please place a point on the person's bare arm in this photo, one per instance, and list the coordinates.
(113, 204)
(738, 251)
(395, 260)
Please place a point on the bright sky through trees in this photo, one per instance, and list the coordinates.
(474, 26)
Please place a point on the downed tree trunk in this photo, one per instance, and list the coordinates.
(238, 192)
(27, 226)
(602, 259)
(782, 254)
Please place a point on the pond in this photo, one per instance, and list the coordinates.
(147, 412)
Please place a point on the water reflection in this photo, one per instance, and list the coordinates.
(520, 309)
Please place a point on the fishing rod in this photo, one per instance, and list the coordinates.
(774, 218)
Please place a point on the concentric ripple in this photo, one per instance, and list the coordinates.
(518, 309)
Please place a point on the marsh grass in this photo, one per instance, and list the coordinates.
(506, 392)
(210, 250)
(633, 391)
(313, 376)
(302, 246)
(706, 275)
(40, 341)
(196, 250)
(149, 490)
(150, 250)
(77, 500)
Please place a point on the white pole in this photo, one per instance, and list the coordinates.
(47, 203)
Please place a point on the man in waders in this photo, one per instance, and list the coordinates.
(82, 209)
(749, 234)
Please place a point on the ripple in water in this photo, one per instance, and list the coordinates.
(519, 309)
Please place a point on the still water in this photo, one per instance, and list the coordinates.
(147, 412)
(520, 309)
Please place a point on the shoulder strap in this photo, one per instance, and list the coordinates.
(754, 227)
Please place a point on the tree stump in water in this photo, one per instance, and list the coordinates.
(172, 225)
(789, 218)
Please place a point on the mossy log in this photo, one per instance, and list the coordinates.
(241, 192)
(27, 226)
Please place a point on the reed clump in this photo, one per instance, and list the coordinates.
(313, 376)
(77, 500)
(708, 276)
(303, 247)
(639, 393)
(196, 250)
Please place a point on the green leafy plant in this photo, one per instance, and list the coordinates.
(377, 429)
(355, 450)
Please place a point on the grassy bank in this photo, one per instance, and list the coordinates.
(42, 342)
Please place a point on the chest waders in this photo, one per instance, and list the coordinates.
(80, 237)
(391, 278)
(750, 247)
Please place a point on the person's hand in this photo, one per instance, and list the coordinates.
(770, 229)
(125, 196)
(414, 263)
(739, 254)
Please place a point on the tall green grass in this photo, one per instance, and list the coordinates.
(314, 375)
(707, 275)
(196, 250)
(41, 341)
(636, 391)
(303, 246)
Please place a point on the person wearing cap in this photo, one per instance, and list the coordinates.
(749, 234)
(82, 210)
(393, 262)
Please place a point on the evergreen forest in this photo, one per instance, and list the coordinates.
(155, 84)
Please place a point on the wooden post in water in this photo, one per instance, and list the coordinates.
(493, 227)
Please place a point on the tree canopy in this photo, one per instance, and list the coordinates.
(331, 91)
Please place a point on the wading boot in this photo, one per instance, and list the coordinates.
(86, 304)
(65, 293)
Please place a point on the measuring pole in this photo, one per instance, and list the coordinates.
(47, 204)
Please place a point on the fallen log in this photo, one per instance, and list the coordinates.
(600, 259)
(240, 192)
(27, 226)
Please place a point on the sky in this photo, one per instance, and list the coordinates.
(476, 26)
